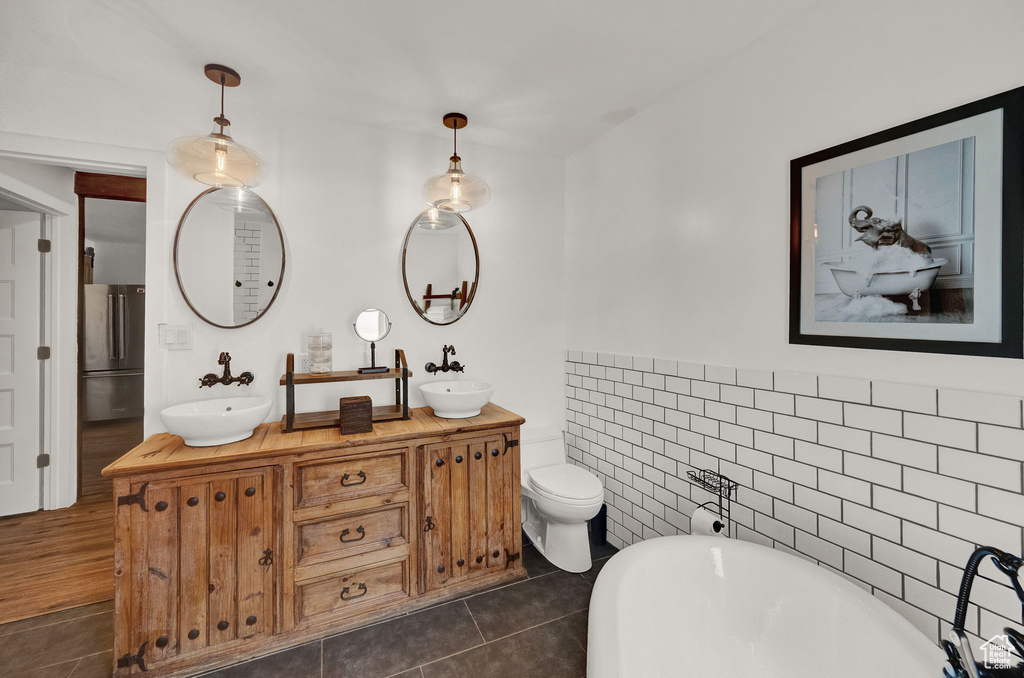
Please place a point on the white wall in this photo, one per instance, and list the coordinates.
(677, 221)
(119, 263)
(344, 195)
(57, 181)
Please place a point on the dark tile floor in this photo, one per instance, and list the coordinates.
(537, 625)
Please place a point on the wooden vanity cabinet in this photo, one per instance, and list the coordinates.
(201, 564)
(470, 508)
(351, 534)
(230, 552)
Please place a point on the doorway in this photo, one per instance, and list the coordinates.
(23, 296)
(111, 315)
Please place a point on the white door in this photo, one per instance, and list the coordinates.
(20, 306)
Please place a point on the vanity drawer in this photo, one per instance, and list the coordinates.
(353, 592)
(351, 478)
(352, 534)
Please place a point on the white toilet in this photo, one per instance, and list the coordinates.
(558, 500)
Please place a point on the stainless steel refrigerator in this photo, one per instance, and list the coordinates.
(114, 351)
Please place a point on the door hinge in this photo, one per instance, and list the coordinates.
(43, 353)
(132, 659)
(137, 498)
(45, 245)
(509, 443)
(42, 461)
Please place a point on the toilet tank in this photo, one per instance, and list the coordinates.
(539, 452)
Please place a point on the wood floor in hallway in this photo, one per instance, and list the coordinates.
(57, 560)
(103, 443)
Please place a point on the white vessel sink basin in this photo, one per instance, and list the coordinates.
(457, 399)
(216, 422)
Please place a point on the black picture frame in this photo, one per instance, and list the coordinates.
(1010, 342)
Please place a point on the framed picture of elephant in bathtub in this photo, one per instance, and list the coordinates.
(910, 239)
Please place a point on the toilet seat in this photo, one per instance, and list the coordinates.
(566, 483)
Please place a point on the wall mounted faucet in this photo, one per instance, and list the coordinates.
(226, 378)
(455, 365)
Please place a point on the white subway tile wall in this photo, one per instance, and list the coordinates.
(248, 238)
(890, 485)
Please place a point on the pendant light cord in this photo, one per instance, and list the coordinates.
(455, 139)
(222, 78)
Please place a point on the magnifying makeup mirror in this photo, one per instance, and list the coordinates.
(372, 325)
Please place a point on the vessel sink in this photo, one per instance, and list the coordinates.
(457, 399)
(216, 422)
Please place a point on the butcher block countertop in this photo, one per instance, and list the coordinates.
(165, 451)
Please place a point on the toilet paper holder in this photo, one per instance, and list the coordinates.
(722, 487)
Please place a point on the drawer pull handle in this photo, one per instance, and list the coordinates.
(251, 620)
(268, 558)
(344, 592)
(193, 634)
(496, 554)
(458, 459)
(478, 455)
(222, 626)
(220, 496)
(162, 641)
(461, 562)
(250, 491)
(193, 501)
(161, 506)
(359, 530)
(440, 568)
(479, 559)
(494, 452)
(361, 474)
(430, 524)
(439, 462)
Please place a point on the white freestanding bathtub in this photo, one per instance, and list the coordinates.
(708, 606)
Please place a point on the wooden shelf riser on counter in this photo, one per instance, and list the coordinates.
(290, 379)
(345, 533)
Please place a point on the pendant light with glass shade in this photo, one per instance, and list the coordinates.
(435, 219)
(455, 191)
(216, 159)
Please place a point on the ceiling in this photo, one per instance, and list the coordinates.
(530, 74)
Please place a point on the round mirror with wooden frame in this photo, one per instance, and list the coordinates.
(229, 257)
(440, 266)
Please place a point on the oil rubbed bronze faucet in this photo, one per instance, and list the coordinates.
(455, 365)
(226, 378)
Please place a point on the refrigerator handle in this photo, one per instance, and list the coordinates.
(121, 328)
(110, 327)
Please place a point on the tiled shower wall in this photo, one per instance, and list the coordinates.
(891, 485)
(248, 237)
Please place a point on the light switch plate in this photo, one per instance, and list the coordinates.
(175, 336)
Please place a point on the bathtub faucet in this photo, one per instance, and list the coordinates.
(998, 663)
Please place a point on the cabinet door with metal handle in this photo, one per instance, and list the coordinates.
(436, 472)
(472, 509)
(202, 570)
